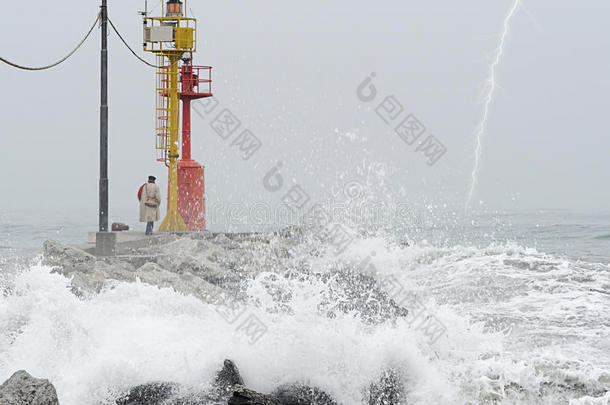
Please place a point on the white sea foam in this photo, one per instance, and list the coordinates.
(509, 337)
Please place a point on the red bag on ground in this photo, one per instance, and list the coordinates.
(119, 227)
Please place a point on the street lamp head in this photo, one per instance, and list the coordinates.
(174, 8)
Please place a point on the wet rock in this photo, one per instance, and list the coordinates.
(208, 266)
(389, 390)
(167, 244)
(404, 243)
(195, 286)
(352, 291)
(228, 388)
(228, 377)
(186, 283)
(225, 383)
(156, 393)
(260, 238)
(293, 232)
(56, 254)
(201, 235)
(281, 252)
(244, 396)
(23, 389)
(152, 273)
(83, 283)
(208, 271)
(297, 394)
(117, 270)
(223, 241)
(213, 257)
(90, 278)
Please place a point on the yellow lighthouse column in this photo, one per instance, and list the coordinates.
(173, 220)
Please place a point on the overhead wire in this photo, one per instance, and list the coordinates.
(18, 66)
(115, 29)
(129, 47)
(15, 65)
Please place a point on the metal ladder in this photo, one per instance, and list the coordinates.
(162, 132)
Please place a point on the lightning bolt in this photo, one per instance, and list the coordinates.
(488, 99)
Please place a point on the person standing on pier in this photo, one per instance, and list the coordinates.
(149, 196)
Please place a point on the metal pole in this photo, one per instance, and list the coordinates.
(186, 128)
(103, 208)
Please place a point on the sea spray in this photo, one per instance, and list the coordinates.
(492, 301)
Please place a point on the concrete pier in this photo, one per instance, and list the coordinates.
(121, 237)
(126, 243)
(105, 243)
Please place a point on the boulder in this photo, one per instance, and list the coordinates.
(83, 283)
(298, 394)
(228, 388)
(224, 241)
(155, 393)
(56, 254)
(244, 396)
(23, 389)
(293, 232)
(117, 270)
(208, 271)
(389, 390)
(200, 235)
(152, 273)
(228, 377)
(352, 291)
(163, 393)
(89, 278)
(185, 283)
(225, 383)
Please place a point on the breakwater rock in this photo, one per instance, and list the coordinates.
(23, 389)
(211, 267)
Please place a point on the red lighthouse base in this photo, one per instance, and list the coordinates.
(191, 194)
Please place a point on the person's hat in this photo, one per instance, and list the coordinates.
(152, 178)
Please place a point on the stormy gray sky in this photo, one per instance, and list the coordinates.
(289, 71)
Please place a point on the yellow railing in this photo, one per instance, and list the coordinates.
(170, 34)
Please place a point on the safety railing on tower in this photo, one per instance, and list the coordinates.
(196, 80)
(168, 34)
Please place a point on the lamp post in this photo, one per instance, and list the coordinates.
(105, 242)
(103, 186)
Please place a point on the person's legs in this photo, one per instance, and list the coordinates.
(149, 227)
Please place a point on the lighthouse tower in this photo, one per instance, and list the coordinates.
(170, 37)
